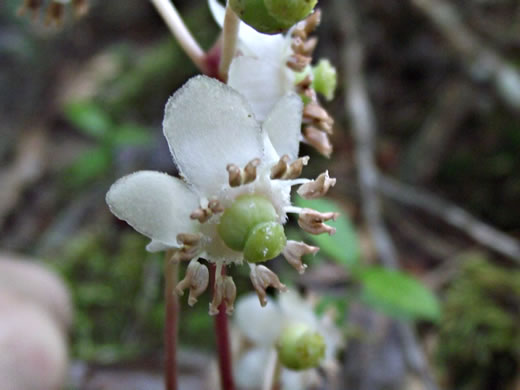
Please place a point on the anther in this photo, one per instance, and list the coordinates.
(235, 175)
(314, 113)
(298, 62)
(296, 167)
(312, 21)
(294, 251)
(262, 278)
(189, 239)
(215, 206)
(196, 280)
(250, 171)
(312, 221)
(279, 170)
(317, 188)
(225, 291)
(202, 215)
(318, 140)
(304, 46)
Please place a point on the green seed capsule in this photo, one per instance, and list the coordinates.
(250, 226)
(300, 348)
(324, 80)
(272, 16)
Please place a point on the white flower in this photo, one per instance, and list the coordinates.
(262, 329)
(224, 155)
(264, 71)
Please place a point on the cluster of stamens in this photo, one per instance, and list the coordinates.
(238, 176)
(285, 170)
(203, 214)
(55, 10)
(316, 120)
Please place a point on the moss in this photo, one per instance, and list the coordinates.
(479, 341)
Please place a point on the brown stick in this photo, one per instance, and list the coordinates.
(171, 271)
(225, 359)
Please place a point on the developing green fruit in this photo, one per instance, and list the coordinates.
(300, 348)
(272, 16)
(324, 79)
(250, 226)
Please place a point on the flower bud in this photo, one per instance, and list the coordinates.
(324, 80)
(272, 16)
(250, 225)
(300, 348)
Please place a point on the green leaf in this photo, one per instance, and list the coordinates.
(397, 294)
(343, 246)
(90, 165)
(89, 118)
(130, 134)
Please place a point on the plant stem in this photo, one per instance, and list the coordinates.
(171, 271)
(225, 359)
(273, 371)
(179, 30)
(229, 42)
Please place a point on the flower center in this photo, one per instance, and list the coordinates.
(251, 226)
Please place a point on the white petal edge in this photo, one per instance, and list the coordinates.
(156, 205)
(261, 325)
(262, 83)
(273, 48)
(208, 125)
(283, 125)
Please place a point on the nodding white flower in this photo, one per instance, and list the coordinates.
(269, 66)
(234, 197)
(262, 329)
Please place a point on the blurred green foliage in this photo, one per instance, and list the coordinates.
(479, 339)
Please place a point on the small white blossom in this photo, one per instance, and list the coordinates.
(212, 133)
(262, 328)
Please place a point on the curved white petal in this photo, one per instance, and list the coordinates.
(295, 309)
(272, 48)
(155, 204)
(283, 125)
(209, 125)
(261, 82)
(262, 325)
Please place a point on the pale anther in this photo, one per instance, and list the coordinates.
(235, 175)
(294, 251)
(196, 280)
(318, 139)
(312, 221)
(262, 278)
(203, 214)
(280, 168)
(224, 291)
(314, 113)
(296, 167)
(317, 188)
(298, 62)
(250, 171)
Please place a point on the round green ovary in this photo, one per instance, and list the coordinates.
(250, 225)
(265, 242)
(289, 12)
(300, 348)
(254, 13)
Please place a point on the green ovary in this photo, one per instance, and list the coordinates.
(250, 226)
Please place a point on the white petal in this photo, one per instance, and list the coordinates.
(283, 125)
(261, 82)
(155, 204)
(262, 325)
(208, 125)
(249, 369)
(272, 48)
(295, 309)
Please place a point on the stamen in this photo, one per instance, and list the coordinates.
(312, 21)
(190, 249)
(262, 278)
(317, 188)
(298, 62)
(278, 170)
(314, 113)
(225, 291)
(189, 239)
(296, 167)
(312, 221)
(235, 175)
(294, 251)
(318, 139)
(304, 46)
(203, 214)
(196, 279)
(250, 171)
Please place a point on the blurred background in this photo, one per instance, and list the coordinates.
(428, 98)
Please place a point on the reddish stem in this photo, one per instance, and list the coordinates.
(171, 326)
(225, 358)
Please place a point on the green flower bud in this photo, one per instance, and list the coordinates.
(250, 225)
(272, 16)
(324, 80)
(300, 348)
